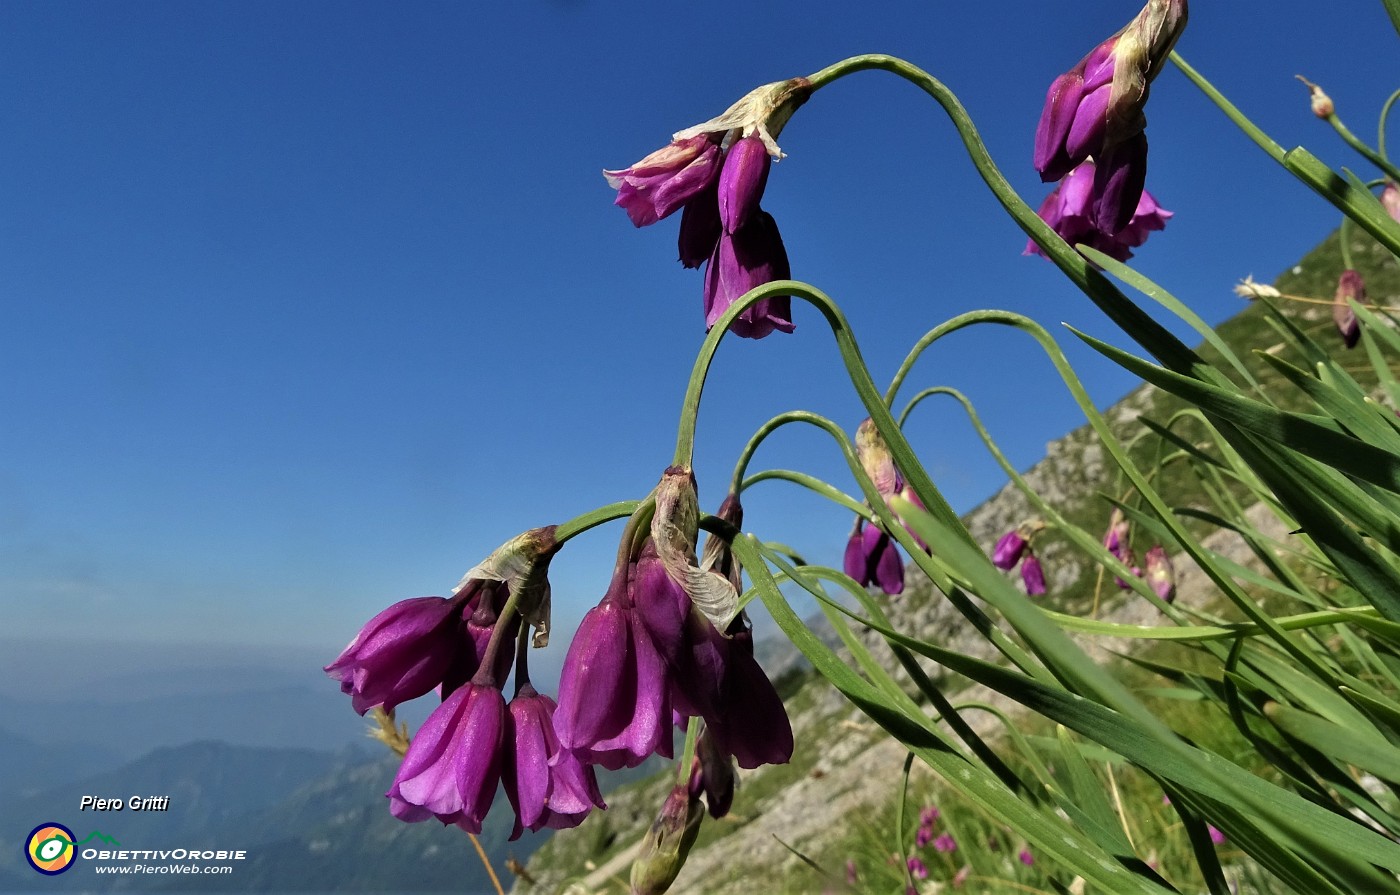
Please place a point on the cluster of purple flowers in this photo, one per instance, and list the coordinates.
(872, 556)
(643, 661)
(1015, 547)
(1159, 572)
(1092, 137)
(716, 172)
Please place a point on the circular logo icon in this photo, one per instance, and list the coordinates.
(49, 848)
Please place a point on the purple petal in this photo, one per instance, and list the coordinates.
(889, 568)
(598, 681)
(700, 227)
(400, 654)
(1086, 133)
(1008, 550)
(1032, 575)
(741, 182)
(662, 182)
(1118, 184)
(1061, 101)
(746, 260)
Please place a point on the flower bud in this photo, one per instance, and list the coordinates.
(1032, 575)
(1390, 198)
(667, 843)
(1008, 550)
(1160, 574)
(1321, 103)
(1350, 287)
(876, 459)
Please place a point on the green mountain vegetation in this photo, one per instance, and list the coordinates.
(836, 797)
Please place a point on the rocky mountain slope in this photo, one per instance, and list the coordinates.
(844, 767)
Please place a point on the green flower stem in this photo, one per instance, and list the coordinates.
(593, 518)
(1165, 346)
(1081, 538)
(1344, 243)
(1345, 195)
(812, 483)
(1385, 117)
(1203, 633)
(692, 737)
(1354, 142)
(1110, 442)
(904, 456)
(1251, 130)
(741, 466)
(936, 574)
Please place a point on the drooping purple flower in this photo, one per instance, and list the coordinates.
(1119, 176)
(744, 260)
(401, 654)
(1071, 210)
(873, 558)
(1008, 550)
(1032, 575)
(712, 774)
(1350, 287)
(1216, 836)
(928, 816)
(1116, 536)
(750, 722)
(717, 171)
(917, 868)
(1025, 857)
(945, 844)
(741, 182)
(851, 874)
(923, 836)
(614, 702)
(666, 180)
(1098, 104)
(547, 786)
(1390, 198)
(1160, 574)
(454, 762)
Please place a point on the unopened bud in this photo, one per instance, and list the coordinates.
(1390, 198)
(1321, 103)
(1350, 287)
(712, 774)
(1160, 574)
(875, 458)
(667, 843)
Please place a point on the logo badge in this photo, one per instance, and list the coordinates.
(50, 849)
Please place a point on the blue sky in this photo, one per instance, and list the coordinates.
(307, 306)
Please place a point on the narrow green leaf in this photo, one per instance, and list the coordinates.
(1342, 743)
(1315, 436)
